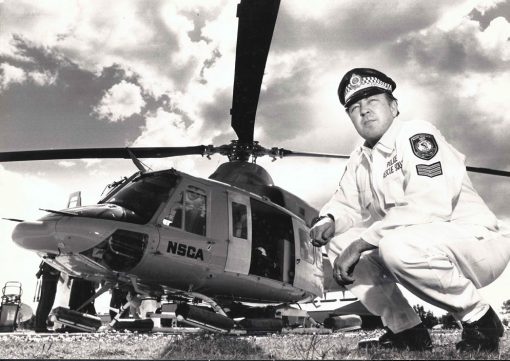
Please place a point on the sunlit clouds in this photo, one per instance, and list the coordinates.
(120, 101)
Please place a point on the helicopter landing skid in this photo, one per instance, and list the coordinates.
(198, 311)
(192, 319)
(75, 319)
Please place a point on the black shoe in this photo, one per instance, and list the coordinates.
(482, 335)
(416, 338)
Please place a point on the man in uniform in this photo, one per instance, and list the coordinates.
(405, 211)
(46, 298)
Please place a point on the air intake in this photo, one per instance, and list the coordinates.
(125, 249)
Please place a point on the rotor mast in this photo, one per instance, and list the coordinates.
(257, 20)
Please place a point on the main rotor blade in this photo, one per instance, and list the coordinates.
(147, 152)
(14, 220)
(503, 173)
(280, 152)
(257, 19)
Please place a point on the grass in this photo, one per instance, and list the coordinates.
(115, 345)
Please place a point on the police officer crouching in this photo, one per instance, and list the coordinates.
(405, 211)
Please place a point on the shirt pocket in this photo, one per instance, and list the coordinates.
(393, 190)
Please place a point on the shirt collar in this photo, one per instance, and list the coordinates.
(387, 142)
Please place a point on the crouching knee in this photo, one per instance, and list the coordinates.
(396, 253)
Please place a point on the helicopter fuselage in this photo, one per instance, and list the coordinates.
(168, 231)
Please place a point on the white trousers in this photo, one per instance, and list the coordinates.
(443, 263)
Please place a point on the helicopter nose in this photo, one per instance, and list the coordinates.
(77, 234)
(37, 236)
(61, 235)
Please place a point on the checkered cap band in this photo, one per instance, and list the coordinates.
(358, 83)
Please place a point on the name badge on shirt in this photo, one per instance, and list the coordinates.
(392, 166)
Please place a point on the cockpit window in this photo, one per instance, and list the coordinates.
(144, 194)
(174, 217)
(195, 205)
(192, 206)
(240, 220)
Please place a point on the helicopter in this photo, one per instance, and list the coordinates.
(232, 237)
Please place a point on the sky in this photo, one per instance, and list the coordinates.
(84, 73)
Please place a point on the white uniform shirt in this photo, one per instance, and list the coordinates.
(411, 176)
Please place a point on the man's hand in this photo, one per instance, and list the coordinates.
(344, 264)
(322, 231)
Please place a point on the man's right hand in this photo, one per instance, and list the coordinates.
(322, 231)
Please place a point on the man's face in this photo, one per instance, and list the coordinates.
(372, 116)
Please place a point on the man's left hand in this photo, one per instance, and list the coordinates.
(344, 266)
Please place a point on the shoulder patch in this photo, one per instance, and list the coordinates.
(429, 170)
(424, 146)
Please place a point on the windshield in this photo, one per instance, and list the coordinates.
(144, 194)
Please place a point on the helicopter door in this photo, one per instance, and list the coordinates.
(272, 242)
(309, 269)
(239, 233)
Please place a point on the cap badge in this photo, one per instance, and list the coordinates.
(355, 81)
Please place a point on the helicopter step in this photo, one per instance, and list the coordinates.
(204, 318)
(132, 324)
(262, 325)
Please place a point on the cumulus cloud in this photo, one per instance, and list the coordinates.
(10, 74)
(181, 50)
(154, 41)
(495, 38)
(464, 48)
(283, 107)
(120, 102)
(42, 78)
(352, 25)
(184, 51)
(483, 91)
(168, 129)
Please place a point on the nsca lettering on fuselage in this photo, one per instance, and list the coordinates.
(185, 250)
